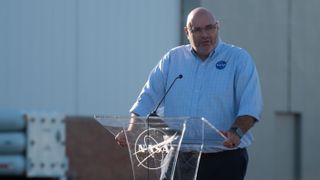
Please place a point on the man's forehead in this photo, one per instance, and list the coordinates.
(200, 18)
(201, 21)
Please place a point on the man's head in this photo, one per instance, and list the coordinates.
(202, 30)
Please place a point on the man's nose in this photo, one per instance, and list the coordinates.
(204, 33)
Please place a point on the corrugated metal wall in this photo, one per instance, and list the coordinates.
(282, 36)
(79, 56)
(37, 55)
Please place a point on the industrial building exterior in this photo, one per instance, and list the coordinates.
(81, 58)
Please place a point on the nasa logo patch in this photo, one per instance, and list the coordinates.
(221, 65)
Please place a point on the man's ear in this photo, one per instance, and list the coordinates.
(186, 31)
(218, 25)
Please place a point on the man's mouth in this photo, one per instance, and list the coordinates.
(205, 42)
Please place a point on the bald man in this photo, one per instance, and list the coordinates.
(220, 83)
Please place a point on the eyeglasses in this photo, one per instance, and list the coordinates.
(208, 29)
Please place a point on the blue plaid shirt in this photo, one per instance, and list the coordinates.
(221, 88)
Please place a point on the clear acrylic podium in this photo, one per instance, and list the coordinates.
(164, 148)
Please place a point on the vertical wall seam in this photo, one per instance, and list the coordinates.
(182, 2)
(289, 56)
(76, 78)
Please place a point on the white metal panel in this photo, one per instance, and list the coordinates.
(285, 145)
(46, 140)
(119, 43)
(83, 57)
(37, 55)
(305, 81)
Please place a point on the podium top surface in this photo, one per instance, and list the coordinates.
(196, 127)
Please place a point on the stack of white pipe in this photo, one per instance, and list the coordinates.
(12, 143)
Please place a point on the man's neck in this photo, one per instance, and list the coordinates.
(203, 57)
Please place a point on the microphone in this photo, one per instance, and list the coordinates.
(154, 112)
(158, 123)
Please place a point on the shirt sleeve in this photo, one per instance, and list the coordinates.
(247, 88)
(153, 90)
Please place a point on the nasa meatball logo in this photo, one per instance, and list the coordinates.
(221, 65)
(151, 148)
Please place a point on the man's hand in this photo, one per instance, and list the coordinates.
(244, 123)
(121, 139)
(233, 140)
(134, 126)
